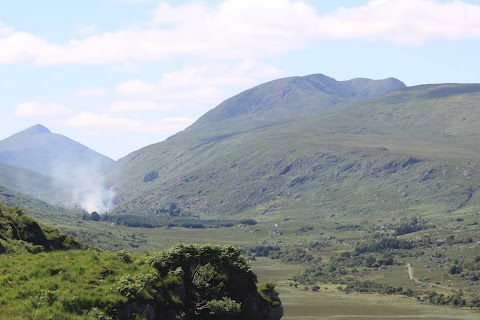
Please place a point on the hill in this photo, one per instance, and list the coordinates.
(40, 150)
(291, 98)
(33, 184)
(45, 278)
(19, 232)
(56, 169)
(37, 208)
(412, 150)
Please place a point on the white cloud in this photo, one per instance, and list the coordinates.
(98, 121)
(91, 92)
(41, 109)
(198, 86)
(93, 122)
(244, 29)
(404, 22)
(132, 106)
(135, 87)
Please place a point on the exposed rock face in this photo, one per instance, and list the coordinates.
(259, 310)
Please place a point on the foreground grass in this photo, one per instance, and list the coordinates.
(56, 284)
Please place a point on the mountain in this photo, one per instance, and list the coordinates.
(290, 98)
(272, 103)
(40, 150)
(36, 207)
(55, 169)
(406, 150)
(33, 184)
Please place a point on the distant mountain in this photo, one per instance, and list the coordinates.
(55, 169)
(36, 207)
(33, 184)
(40, 150)
(291, 98)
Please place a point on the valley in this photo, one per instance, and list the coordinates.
(336, 191)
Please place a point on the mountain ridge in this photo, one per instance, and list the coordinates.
(277, 100)
(221, 170)
(72, 173)
(37, 148)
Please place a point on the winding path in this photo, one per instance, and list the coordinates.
(410, 272)
(410, 275)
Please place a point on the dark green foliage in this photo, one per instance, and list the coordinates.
(442, 299)
(262, 250)
(383, 244)
(370, 286)
(294, 255)
(298, 255)
(124, 256)
(205, 282)
(455, 269)
(224, 308)
(158, 222)
(408, 227)
(94, 216)
(186, 281)
(215, 278)
(150, 176)
(249, 222)
(137, 287)
(19, 229)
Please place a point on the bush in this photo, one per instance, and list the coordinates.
(124, 256)
(224, 308)
(136, 286)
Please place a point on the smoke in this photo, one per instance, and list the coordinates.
(86, 184)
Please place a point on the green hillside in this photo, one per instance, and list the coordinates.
(48, 275)
(33, 184)
(291, 98)
(37, 208)
(406, 152)
(377, 195)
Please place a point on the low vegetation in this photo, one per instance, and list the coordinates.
(51, 275)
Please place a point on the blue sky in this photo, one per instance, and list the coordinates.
(117, 75)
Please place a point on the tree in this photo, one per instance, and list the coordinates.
(94, 216)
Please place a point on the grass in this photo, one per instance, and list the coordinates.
(368, 165)
(356, 152)
(59, 284)
(329, 303)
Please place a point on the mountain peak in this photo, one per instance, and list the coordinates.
(36, 129)
(286, 99)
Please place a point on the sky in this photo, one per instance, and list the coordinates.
(118, 75)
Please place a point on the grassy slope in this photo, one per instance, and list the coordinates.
(329, 303)
(32, 184)
(355, 152)
(49, 275)
(408, 153)
(38, 208)
(292, 98)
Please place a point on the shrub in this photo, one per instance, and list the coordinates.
(136, 286)
(224, 308)
(124, 256)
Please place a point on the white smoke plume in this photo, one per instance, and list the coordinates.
(86, 185)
